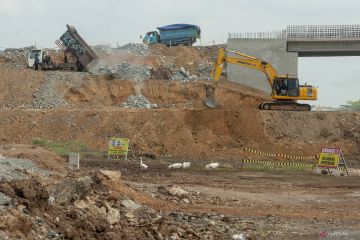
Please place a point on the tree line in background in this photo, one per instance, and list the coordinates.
(352, 105)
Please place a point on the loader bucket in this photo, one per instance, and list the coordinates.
(210, 101)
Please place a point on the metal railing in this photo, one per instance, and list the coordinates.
(306, 32)
(272, 34)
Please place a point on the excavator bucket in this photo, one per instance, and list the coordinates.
(210, 101)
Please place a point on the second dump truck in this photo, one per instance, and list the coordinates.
(173, 35)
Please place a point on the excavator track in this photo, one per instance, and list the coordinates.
(284, 106)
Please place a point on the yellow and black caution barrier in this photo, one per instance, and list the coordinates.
(280, 154)
(290, 164)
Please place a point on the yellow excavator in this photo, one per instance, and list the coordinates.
(285, 88)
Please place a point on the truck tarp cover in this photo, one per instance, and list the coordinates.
(176, 27)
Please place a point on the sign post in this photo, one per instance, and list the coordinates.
(118, 147)
(332, 158)
(329, 158)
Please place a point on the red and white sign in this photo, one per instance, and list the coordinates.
(330, 150)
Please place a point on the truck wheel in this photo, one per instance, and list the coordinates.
(38, 67)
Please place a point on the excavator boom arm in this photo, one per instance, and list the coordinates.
(245, 61)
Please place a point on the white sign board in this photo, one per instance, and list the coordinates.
(74, 160)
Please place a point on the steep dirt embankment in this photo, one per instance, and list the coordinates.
(99, 92)
(198, 133)
(17, 87)
(315, 130)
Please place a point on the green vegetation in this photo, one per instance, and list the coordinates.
(61, 148)
(352, 106)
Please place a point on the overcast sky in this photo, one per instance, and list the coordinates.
(24, 22)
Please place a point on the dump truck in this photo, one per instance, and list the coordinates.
(173, 35)
(77, 54)
(51, 59)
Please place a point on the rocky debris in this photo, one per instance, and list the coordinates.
(71, 189)
(4, 236)
(80, 204)
(50, 94)
(111, 175)
(16, 57)
(239, 236)
(17, 168)
(183, 76)
(139, 101)
(90, 213)
(136, 49)
(128, 71)
(112, 214)
(161, 72)
(129, 204)
(175, 191)
(204, 70)
(107, 70)
(4, 199)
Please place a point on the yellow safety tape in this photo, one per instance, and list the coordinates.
(279, 163)
(280, 154)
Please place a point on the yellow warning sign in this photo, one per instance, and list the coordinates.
(118, 146)
(328, 160)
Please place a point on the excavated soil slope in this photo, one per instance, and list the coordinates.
(88, 108)
(187, 133)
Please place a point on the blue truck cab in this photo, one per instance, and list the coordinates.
(173, 35)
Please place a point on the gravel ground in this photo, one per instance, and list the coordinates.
(12, 169)
(50, 95)
(139, 101)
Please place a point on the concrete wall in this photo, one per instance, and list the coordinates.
(273, 51)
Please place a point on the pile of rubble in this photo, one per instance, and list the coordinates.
(97, 206)
(183, 76)
(16, 57)
(136, 49)
(138, 101)
(11, 168)
(128, 71)
(50, 94)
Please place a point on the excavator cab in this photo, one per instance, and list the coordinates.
(286, 86)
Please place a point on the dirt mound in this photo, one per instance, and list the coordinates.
(176, 81)
(99, 92)
(36, 154)
(18, 86)
(30, 192)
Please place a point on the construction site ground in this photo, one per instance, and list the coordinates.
(45, 199)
